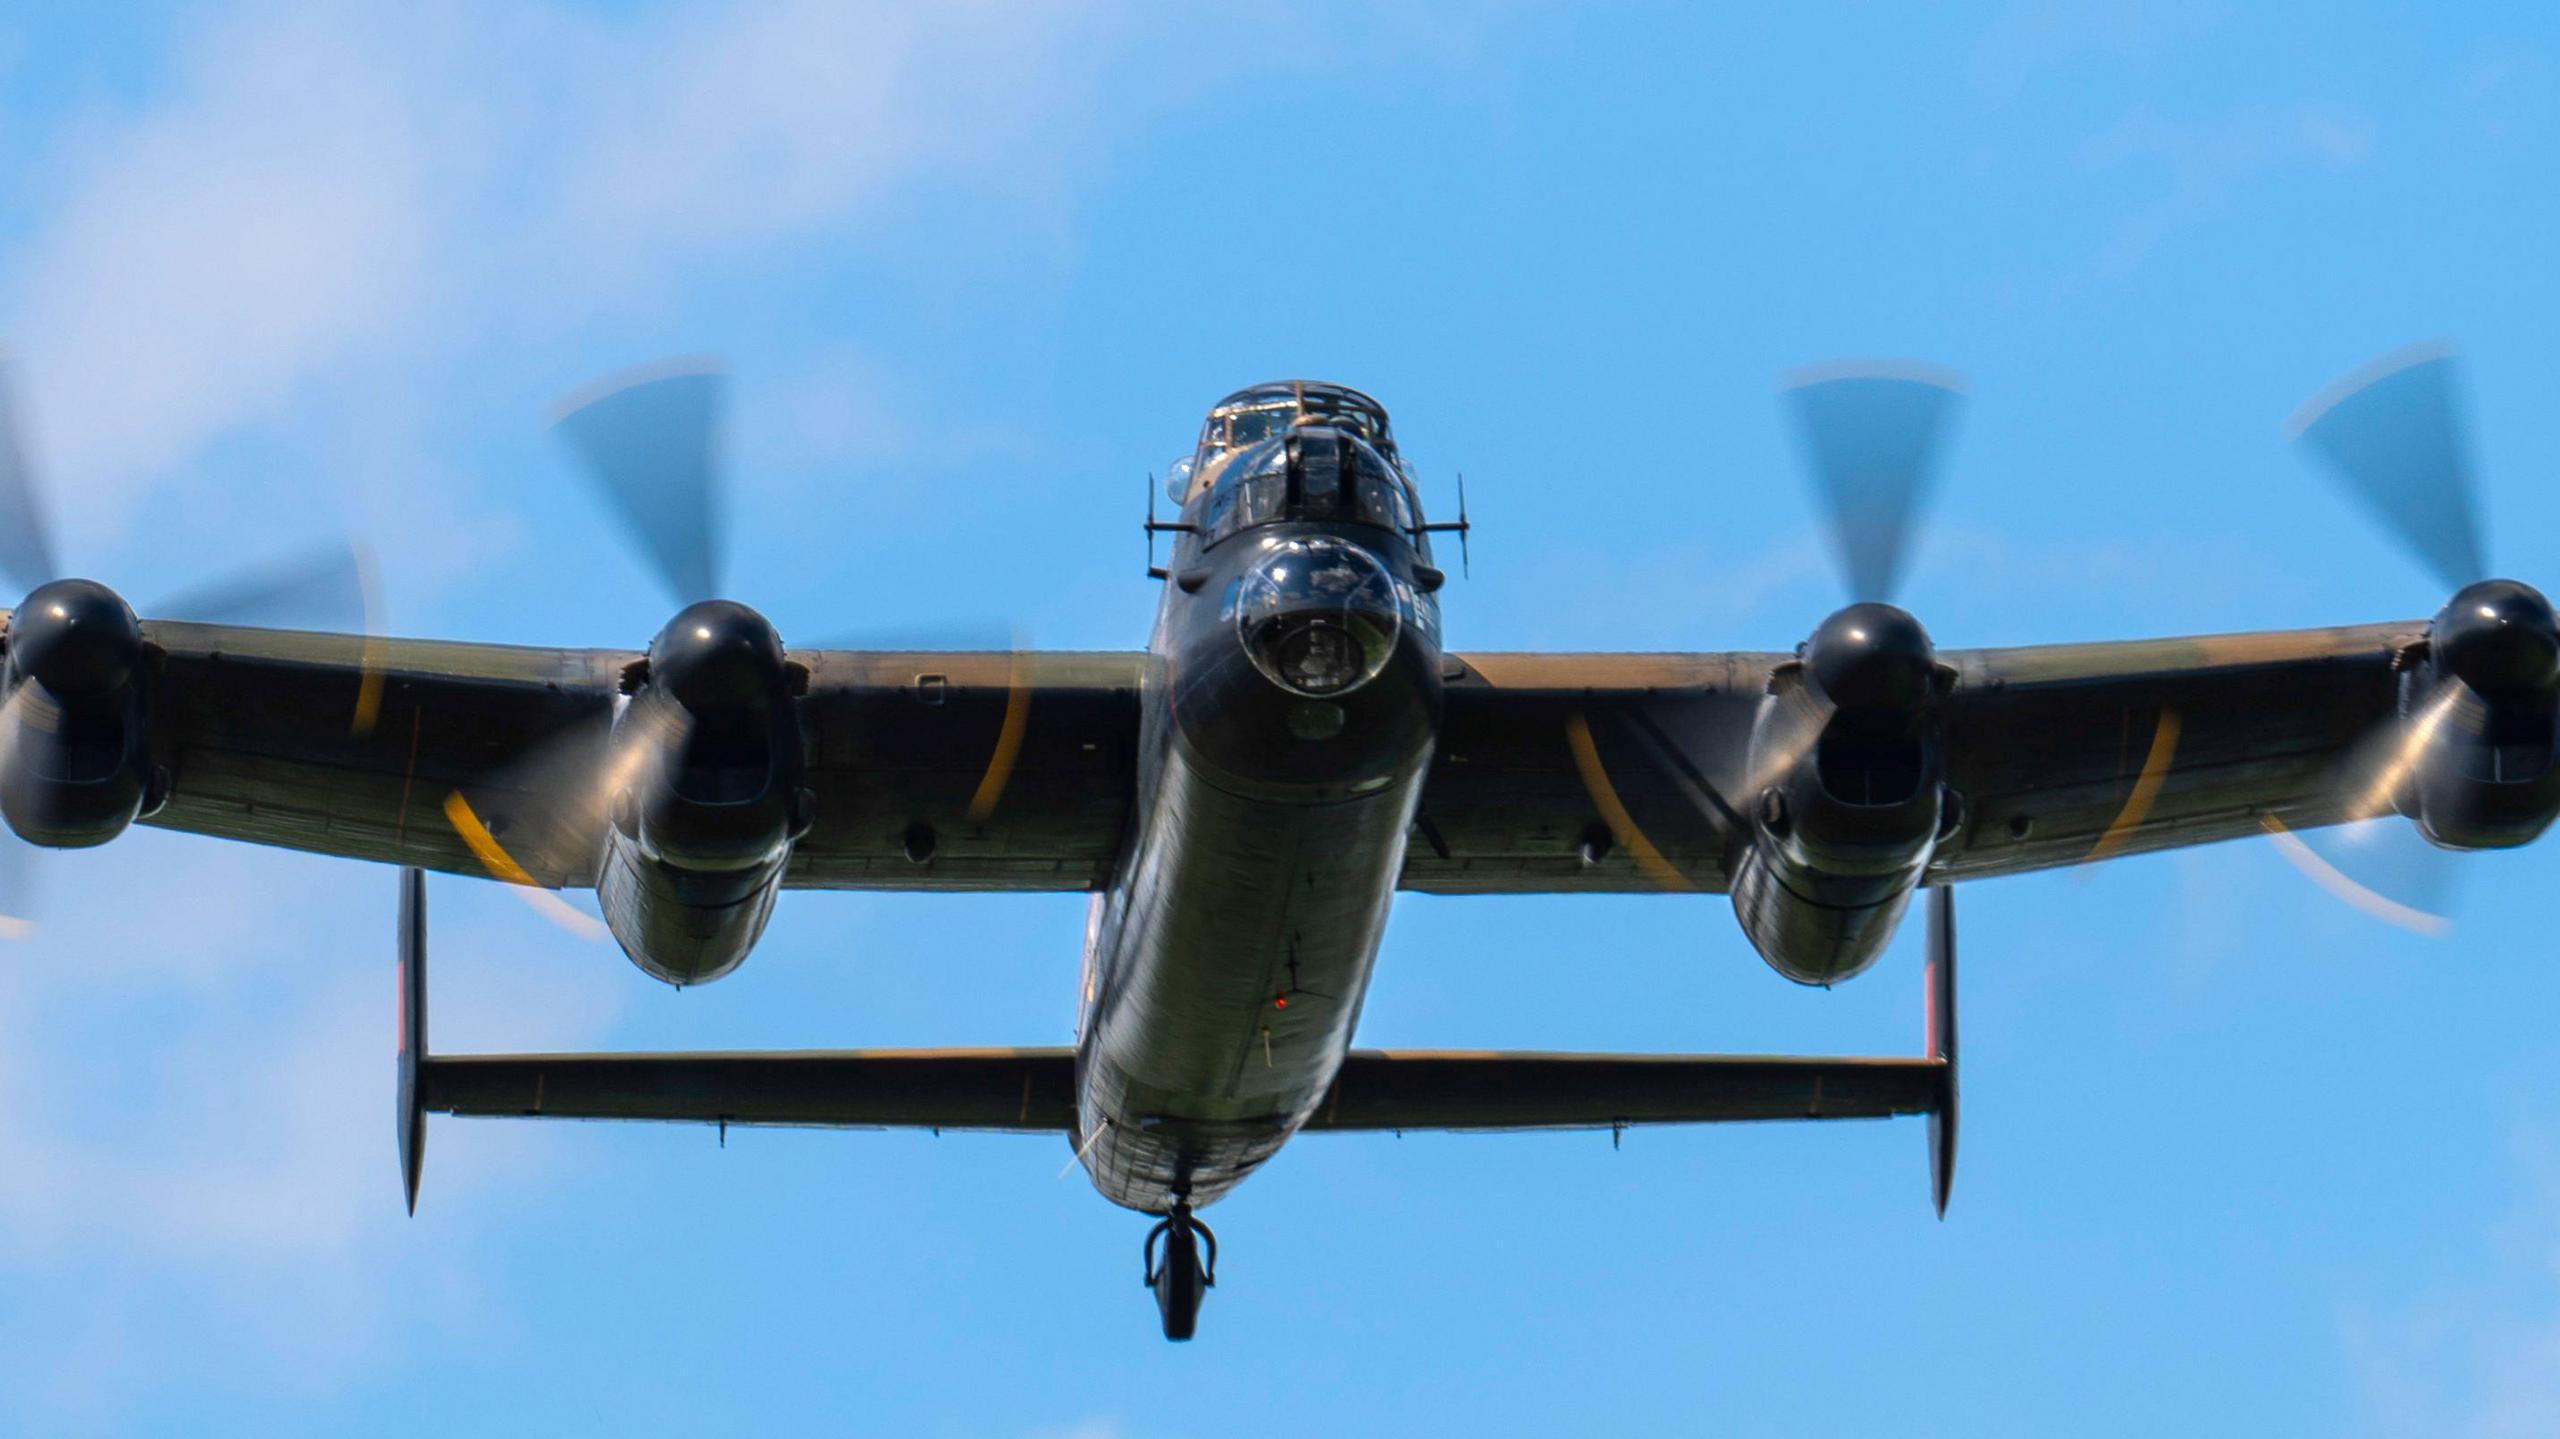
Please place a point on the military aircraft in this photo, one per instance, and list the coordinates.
(1244, 799)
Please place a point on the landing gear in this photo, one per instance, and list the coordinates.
(1178, 1276)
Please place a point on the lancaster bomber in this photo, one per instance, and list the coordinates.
(1243, 799)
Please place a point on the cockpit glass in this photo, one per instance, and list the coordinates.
(1343, 414)
(1320, 480)
(1252, 427)
(1301, 451)
(1381, 499)
(1266, 497)
(1252, 416)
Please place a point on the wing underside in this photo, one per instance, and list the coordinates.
(2141, 745)
(936, 770)
(986, 771)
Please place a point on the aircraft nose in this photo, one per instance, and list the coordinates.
(1318, 616)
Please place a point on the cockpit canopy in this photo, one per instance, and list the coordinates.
(1312, 473)
(1296, 450)
(1264, 411)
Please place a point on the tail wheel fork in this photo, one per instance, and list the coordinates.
(1182, 1271)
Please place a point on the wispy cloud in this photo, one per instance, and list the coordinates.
(2474, 1358)
(2196, 169)
(352, 205)
(2031, 41)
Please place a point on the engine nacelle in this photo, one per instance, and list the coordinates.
(75, 764)
(1855, 799)
(2484, 719)
(703, 828)
(684, 926)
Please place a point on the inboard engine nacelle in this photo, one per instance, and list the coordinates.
(1852, 800)
(713, 795)
(75, 764)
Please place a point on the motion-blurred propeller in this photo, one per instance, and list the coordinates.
(2391, 434)
(1873, 432)
(650, 439)
(537, 825)
(331, 587)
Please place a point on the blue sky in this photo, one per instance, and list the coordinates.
(2236, 1159)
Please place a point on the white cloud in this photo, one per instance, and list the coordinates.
(209, 254)
(2203, 165)
(198, 1102)
(345, 208)
(2474, 1359)
(253, 1068)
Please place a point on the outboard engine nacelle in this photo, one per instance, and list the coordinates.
(2484, 712)
(718, 795)
(75, 764)
(1854, 800)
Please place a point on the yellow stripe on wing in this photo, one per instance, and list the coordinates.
(1017, 718)
(1595, 778)
(501, 865)
(2146, 789)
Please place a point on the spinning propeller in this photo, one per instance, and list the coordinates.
(2393, 436)
(1873, 434)
(650, 439)
(73, 635)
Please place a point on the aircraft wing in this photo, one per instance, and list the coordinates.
(1033, 1090)
(1016, 769)
(988, 771)
(2053, 748)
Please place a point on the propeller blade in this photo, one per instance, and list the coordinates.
(331, 587)
(542, 821)
(2424, 881)
(2377, 861)
(17, 888)
(26, 541)
(1872, 432)
(2393, 433)
(1797, 716)
(17, 857)
(650, 438)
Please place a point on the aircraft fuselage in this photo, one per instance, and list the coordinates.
(1226, 963)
